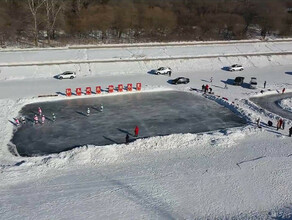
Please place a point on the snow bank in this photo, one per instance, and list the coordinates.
(286, 104)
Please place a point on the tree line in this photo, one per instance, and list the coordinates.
(61, 22)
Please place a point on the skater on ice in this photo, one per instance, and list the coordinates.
(203, 88)
(101, 108)
(43, 119)
(88, 112)
(40, 111)
(22, 119)
(54, 116)
(17, 122)
(290, 131)
(36, 119)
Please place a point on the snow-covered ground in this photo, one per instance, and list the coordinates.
(241, 172)
(286, 104)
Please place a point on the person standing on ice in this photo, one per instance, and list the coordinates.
(36, 119)
(136, 131)
(43, 119)
(17, 122)
(88, 111)
(101, 107)
(127, 139)
(265, 83)
(54, 116)
(203, 88)
(290, 131)
(40, 111)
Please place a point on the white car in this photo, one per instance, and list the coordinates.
(163, 70)
(67, 75)
(236, 67)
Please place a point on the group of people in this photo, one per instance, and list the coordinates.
(40, 117)
(280, 125)
(100, 109)
(206, 88)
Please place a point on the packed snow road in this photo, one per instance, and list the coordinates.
(271, 103)
(155, 113)
(46, 56)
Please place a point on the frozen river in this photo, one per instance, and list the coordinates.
(155, 113)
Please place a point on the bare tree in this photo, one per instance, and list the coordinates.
(34, 7)
(53, 8)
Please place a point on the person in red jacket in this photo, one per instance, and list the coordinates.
(136, 131)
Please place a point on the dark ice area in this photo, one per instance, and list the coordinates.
(155, 113)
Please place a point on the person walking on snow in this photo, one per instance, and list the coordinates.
(40, 111)
(279, 123)
(258, 122)
(136, 131)
(265, 83)
(88, 111)
(283, 124)
(206, 88)
(101, 108)
(36, 119)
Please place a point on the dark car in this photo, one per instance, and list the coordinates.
(238, 81)
(180, 80)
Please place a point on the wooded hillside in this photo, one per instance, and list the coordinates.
(60, 22)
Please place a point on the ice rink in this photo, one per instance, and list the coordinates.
(155, 113)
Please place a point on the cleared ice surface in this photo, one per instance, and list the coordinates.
(156, 113)
(271, 103)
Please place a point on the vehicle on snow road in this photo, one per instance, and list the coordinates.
(180, 80)
(235, 67)
(163, 71)
(67, 75)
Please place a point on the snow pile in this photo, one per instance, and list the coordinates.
(286, 104)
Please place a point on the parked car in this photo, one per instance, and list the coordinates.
(253, 83)
(235, 67)
(163, 71)
(67, 75)
(180, 80)
(238, 81)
